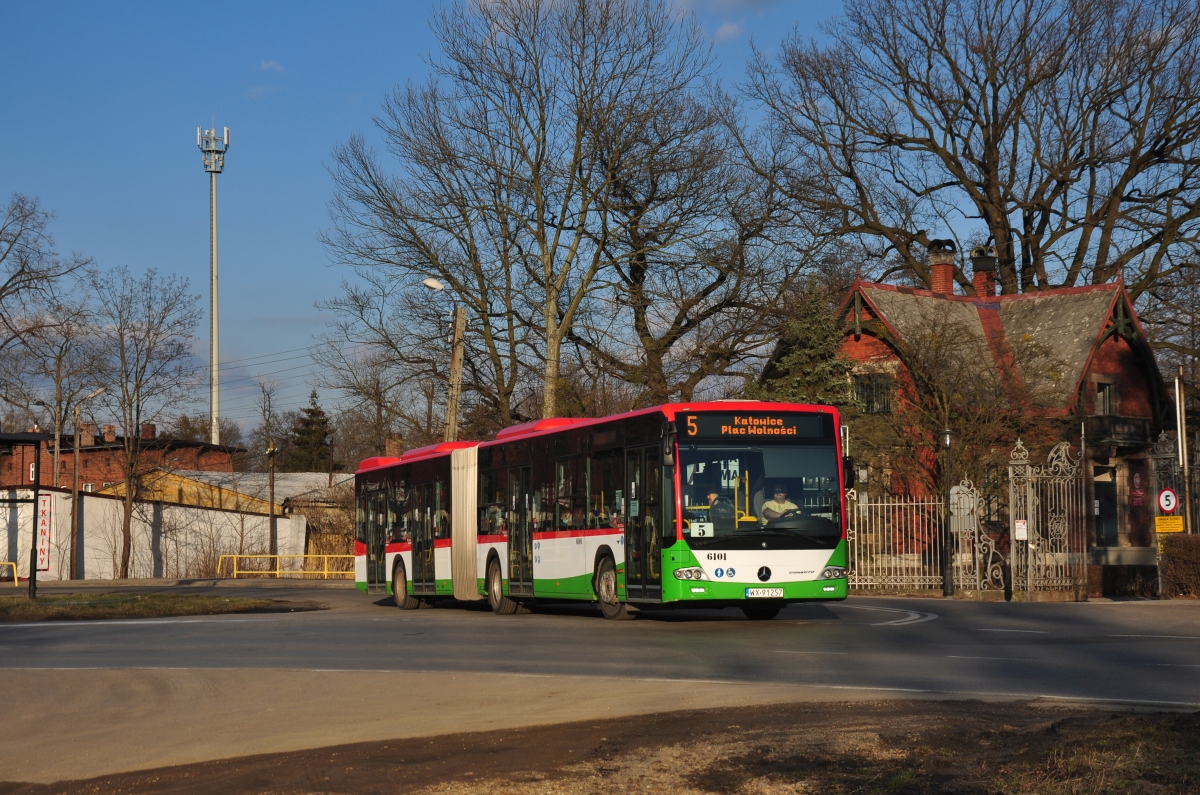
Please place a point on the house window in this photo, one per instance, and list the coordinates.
(1105, 400)
(874, 393)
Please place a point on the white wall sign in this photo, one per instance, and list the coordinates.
(44, 524)
(1021, 530)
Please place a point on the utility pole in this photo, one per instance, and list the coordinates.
(271, 499)
(1181, 426)
(456, 371)
(213, 148)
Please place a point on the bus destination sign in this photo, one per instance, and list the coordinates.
(755, 425)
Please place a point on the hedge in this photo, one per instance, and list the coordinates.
(1180, 566)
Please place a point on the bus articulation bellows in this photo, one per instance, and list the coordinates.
(719, 504)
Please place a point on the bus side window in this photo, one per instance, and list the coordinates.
(604, 499)
(360, 519)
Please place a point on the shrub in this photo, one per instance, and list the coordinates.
(1180, 563)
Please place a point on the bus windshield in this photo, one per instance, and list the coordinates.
(739, 495)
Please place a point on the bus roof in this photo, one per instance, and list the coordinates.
(541, 427)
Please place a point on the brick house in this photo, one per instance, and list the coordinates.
(1105, 378)
(100, 458)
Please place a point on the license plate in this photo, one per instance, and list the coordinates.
(764, 593)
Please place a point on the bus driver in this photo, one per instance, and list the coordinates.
(779, 504)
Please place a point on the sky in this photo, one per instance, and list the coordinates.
(99, 107)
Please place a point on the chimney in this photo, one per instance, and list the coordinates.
(941, 266)
(148, 431)
(393, 446)
(87, 434)
(110, 433)
(983, 269)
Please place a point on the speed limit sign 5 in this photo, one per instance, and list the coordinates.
(1167, 501)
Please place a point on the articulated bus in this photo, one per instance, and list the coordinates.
(722, 504)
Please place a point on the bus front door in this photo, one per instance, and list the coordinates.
(643, 560)
(520, 534)
(422, 539)
(376, 530)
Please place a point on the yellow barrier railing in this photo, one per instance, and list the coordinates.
(12, 566)
(277, 569)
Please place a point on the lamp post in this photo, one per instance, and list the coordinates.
(450, 429)
(76, 542)
(947, 535)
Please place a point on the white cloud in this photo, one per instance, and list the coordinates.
(730, 30)
(270, 66)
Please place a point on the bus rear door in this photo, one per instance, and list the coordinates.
(376, 530)
(520, 533)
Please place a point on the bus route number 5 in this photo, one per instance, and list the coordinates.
(691, 426)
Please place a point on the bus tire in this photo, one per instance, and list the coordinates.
(761, 613)
(404, 600)
(501, 605)
(611, 607)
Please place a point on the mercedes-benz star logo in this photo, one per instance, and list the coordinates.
(764, 574)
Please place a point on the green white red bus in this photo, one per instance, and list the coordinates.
(719, 504)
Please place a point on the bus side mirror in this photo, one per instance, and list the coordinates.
(668, 446)
(848, 471)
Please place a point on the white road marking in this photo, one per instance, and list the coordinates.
(1026, 631)
(1174, 637)
(789, 651)
(910, 616)
(1173, 665)
(964, 657)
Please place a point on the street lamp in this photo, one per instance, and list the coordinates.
(76, 542)
(450, 429)
(947, 536)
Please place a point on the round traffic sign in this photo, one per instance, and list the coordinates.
(1167, 501)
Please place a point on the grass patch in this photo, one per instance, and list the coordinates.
(77, 607)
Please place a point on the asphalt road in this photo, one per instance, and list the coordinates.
(1140, 651)
(152, 693)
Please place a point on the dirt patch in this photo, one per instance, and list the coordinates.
(96, 606)
(892, 748)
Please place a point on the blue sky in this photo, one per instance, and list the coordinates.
(98, 113)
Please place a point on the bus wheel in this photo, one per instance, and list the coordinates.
(501, 604)
(761, 613)
(404, 600)
(606, 591)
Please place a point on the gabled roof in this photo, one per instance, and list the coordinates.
(1070, 323)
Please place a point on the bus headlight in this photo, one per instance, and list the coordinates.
(833, 573)
(692, 573)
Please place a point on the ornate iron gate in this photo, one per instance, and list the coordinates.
(1047, 521)
(978, 564)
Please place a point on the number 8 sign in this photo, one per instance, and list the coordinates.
(1167, 501)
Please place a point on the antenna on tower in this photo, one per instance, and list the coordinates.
(213, 147)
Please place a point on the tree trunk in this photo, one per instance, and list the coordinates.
(550, 378)
(126, 531)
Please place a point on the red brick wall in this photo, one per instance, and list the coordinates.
(99, 465)
(1117, 359)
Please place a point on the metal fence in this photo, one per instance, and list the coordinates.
(895, 543)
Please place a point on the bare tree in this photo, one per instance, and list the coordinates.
(504, 187)
(1068, 128)
(56, 361)
(147, 324)
(29, 264)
